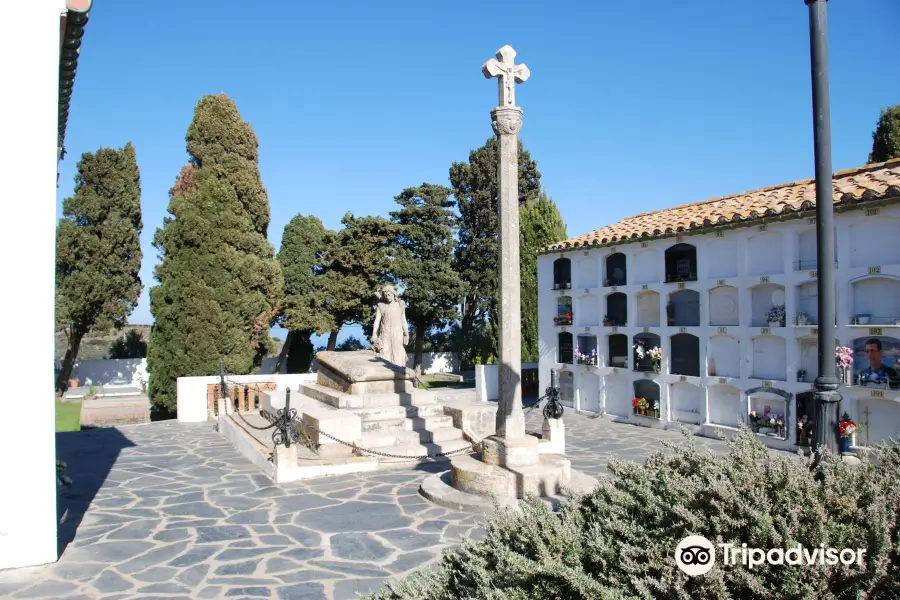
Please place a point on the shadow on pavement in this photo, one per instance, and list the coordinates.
(89, 456)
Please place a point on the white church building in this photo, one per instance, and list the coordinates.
(726, 289)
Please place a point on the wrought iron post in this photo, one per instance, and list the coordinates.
(827, 398)
(553, 409)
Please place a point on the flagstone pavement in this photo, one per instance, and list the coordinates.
(171, 510)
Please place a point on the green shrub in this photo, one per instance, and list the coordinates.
(619, 541)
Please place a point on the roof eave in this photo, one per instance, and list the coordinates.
(72, 24)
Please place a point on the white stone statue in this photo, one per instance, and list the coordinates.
(390, 332)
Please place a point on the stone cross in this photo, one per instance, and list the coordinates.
(506, 120)
(508, 72)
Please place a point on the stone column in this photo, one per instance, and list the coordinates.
(510, 419)
(506, 120)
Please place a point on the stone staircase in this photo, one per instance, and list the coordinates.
(406, 424)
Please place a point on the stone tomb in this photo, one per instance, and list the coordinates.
(361, 403)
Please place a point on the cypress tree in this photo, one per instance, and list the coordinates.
(219, 282)
(539, 224)
(302, 257)
(98, 249)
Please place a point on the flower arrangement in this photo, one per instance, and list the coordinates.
(844, 357)
(583, 358)
(563, 319)
(654, 353)
(639, 403)
(776, 314)
(847, 427)
(607, 321)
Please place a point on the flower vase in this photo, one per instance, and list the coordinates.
(844, 445)
(774, 323)
(656, 367)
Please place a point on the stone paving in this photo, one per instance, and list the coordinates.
(171, 510)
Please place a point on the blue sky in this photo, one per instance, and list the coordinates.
(631, 106)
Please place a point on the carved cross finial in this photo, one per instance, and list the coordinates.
(509, 73)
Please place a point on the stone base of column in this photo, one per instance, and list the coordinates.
(510, 452)
(508, 469)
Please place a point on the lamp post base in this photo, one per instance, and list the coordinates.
(827, 407)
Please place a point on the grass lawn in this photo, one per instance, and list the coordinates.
(68, 416)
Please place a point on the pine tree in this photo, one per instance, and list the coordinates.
(476, 187)
(355, 263)
(301, 258)
(424, 247)
(540, 224)
(219, 282)
(886, 137)
(98, 249)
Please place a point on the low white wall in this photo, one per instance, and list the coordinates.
(437, 362)
(487, 380)
(102, 372)
(191, 391)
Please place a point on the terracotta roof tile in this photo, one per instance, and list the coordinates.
(869, 182)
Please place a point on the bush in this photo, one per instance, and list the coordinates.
(619, 541)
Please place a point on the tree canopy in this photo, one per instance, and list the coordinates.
(540, 224)
(219, 282)
(476, 187)
(302, 257)
(98, 250)
(423, 260)
(886, 137)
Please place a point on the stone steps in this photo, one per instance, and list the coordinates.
(341, 400)
(407, 424)
(382, 439)
(372, 413)
(421, 449)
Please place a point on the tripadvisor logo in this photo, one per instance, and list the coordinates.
(695, 555)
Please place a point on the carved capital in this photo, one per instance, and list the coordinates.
(506, 121)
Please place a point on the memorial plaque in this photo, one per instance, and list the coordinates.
(566, 353)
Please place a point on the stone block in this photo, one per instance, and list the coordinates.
(473, 476)
(478, 418)
(510, 452)
(321, 418)
(361, 372)
(546, 478)
(553, 437)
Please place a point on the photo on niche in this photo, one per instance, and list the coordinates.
(875, 362)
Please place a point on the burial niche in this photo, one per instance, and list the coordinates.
(617, 309)
(618, 350)
(562, 274)
(648, 309)
(566, 351)
(647, 390)
(645, 345)
(615, 270)
(683, 309)
(685, 359)
(681, 263)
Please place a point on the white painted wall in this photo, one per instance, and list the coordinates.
(721, 259)
(728, 307)
(587, 311)
(30, 48)
(191, 391)
(102, 372)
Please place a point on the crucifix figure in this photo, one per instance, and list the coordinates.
(509, 73)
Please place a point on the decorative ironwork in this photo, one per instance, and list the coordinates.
(285, 422)
(553, 408)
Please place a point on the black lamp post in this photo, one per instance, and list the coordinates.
(827, 398)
